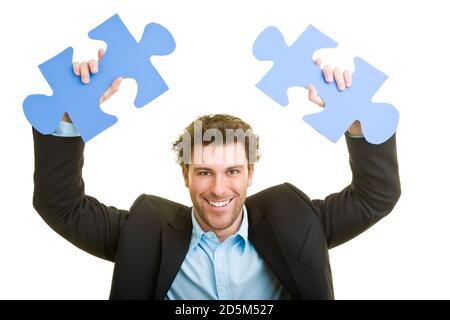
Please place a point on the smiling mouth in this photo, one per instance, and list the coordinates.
(219, 204)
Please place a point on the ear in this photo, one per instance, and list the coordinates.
(185, 171)
(251, 169)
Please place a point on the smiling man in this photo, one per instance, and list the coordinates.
(271, 245)
(219, 172)
(218, 191)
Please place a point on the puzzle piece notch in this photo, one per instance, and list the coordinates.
(124, 57)
(293, 66)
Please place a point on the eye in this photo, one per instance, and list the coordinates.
(203, 173)
(233, 172)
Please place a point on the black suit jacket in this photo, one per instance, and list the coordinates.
(149, 242)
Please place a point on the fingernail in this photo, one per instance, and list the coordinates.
(85, 79)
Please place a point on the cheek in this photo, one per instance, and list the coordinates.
(240, 186)
(198, 186)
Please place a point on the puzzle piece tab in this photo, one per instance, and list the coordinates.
(293, 66)
(124, 57)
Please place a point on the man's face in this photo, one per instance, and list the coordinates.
(218, 184)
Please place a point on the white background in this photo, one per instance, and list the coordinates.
(212, 70)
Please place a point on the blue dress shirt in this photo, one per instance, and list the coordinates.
(66, 129)
(229, 270)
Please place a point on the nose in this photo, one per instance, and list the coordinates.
(218, 187)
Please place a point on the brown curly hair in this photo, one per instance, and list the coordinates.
(221, 125)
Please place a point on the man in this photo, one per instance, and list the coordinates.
(271, 245)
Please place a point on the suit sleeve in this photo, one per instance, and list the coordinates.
(60, 200)
(372, 194)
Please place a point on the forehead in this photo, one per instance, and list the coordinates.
(220, 154)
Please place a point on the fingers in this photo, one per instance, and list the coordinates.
(101, 53)
(348, 78)
(76, 68)
(339, 78)
(93, 66)
(111, 90)
(84, 72)
(328, 73)
(85, 69)
(313, 97)
(343, 78)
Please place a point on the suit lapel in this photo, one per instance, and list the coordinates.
(176, 237)
(266, 242)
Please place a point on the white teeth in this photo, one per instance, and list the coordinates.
(219, 204)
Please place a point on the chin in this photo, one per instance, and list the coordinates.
(220, 221)
(219, 218)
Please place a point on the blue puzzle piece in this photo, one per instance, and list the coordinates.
(124, 57)
(293, 66)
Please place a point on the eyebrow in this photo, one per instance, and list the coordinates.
(209, 169)
(236, 167)
(201, 168)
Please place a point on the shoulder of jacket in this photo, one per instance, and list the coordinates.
(149, 200)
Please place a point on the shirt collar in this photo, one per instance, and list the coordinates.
(197, 231)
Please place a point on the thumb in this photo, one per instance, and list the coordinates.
(313, 97)
(101, 53)
(111, 90)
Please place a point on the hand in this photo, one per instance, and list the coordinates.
(343, 80)
(84, 69)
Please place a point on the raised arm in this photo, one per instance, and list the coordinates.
(375, 186)
(372, 194)
(59, 190)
